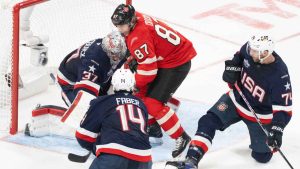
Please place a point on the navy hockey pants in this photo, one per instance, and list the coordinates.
(222, 115)
(110, 161)
(230, 116)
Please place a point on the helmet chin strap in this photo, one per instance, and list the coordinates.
(261, 60)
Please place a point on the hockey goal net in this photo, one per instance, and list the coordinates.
(56, 26)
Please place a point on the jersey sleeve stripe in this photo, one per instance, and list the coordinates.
(87, 132)
(85, 137)
(63, 80)
(86, 84)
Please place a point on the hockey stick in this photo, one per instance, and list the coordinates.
(260, 124)
(78, 158)
(66, 100)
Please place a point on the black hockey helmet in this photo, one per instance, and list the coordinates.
(123, 15)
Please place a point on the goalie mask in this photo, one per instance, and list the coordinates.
(115, 47)
(261, 43)
(123, 80)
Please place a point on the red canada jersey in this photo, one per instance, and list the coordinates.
(155, 45)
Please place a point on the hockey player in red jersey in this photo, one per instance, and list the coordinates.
(263, 79)
(164, 60)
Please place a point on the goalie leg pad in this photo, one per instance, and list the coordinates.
(45, 121)
(49, 109)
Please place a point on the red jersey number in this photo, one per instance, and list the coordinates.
(170, 36)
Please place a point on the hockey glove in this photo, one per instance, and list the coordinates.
(275, 135)
(131, 63)
(232, 72)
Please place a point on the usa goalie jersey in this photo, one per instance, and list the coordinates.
(87, 68)
(116, 124)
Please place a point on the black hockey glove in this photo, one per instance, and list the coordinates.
(275, 134)
(131, 63)
(232, 72)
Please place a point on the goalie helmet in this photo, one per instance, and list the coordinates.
(123, 14)
(123, 80)
(115, 47)
(261, 43)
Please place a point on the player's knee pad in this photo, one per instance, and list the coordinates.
(153, 106)
(262, 157)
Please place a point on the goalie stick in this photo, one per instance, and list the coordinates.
(78, 158)
(260, 124)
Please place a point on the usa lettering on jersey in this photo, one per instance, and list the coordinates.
(252, 87)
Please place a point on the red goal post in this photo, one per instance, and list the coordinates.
(13, 79)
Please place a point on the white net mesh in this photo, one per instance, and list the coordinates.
(67, 23)
(5, 64)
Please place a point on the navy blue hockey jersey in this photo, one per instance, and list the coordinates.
(87, 68)
(116, 124)
(267, 88)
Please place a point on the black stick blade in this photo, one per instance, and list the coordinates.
(78, 158)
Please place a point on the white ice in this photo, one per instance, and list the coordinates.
(215, 38)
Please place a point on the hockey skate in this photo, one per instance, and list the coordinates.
(181, 143)
(188, 163)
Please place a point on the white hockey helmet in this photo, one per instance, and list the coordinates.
(261, 43)
(123, 80)
(115, 47)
